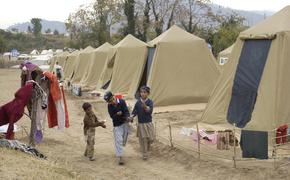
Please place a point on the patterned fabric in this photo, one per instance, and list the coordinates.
(120, 135)
(14, 144)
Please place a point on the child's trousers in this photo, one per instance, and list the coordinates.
(90, 139)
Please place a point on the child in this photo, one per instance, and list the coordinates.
(90, 124)
(119, 113)
(145, 130)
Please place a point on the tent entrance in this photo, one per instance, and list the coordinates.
(146, 70)
(246, 82)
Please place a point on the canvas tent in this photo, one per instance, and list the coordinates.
(129, 61)
(95, 67)
(106, 73)
(69, 64)
(34, 52)
(253, 91)
(60, 58)
(223, 56)
(81, 64)
(183, 69)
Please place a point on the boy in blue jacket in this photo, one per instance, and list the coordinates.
(145, 130)
(119, 113)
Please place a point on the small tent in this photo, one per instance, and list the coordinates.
(95, 67)
(183, 70)
(224, 55)
(81, 65)
(129, 61)
(34, 52)
(253, 91)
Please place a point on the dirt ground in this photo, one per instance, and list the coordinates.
(65, 151)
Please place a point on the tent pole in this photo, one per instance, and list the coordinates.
(198, 140)
(234, 157)
(170, 134)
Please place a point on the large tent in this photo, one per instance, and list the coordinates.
(81, 65)
(69, 64)
(183, 70)
(129, 61)
(253, 91)
(95, 67)
(224, 55)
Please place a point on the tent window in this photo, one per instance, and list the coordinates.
(246, 82)
(147, 68)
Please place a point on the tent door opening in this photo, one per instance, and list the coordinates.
(247, 79)
(146, 70)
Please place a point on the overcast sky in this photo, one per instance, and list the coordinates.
(14, 11)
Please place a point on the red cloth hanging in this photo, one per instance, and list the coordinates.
(13, 111)
(281, 134)
(54, 95)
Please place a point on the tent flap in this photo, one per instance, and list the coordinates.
(247, 79)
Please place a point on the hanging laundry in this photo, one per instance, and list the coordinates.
(254, 144)
(13, 111)
(223, 140)
(205, 137)
(65, 107)
(281, 134)
(39, 99)
(56, 104)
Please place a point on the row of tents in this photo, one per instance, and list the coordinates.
(252, 91)
(178, 66)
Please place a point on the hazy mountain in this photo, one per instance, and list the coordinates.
(251, 17)
(52, 25)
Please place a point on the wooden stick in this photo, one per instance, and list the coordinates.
(198, 140)
(170, 134)
(234, 157)
(155, 130)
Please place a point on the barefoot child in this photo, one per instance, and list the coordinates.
(119, 113)
(145, 130)
(90, 124)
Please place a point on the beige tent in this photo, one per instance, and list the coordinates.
(60, 58)
(69, 64)
(106, 73)
(81, 65)
(223, 56)
(95, 67)
(253, 90)
(183, 69)
(129, 61)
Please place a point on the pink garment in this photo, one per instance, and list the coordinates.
(210, 139)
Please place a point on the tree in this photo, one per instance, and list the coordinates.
(143, 22)
(195, 13)
(129, 8)
(48, 31)
(55, 32)
(91, 25)
(2, 44)
(229, 30)
(29, 30)
(36, 23)
(163, 10)
(15, 30)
